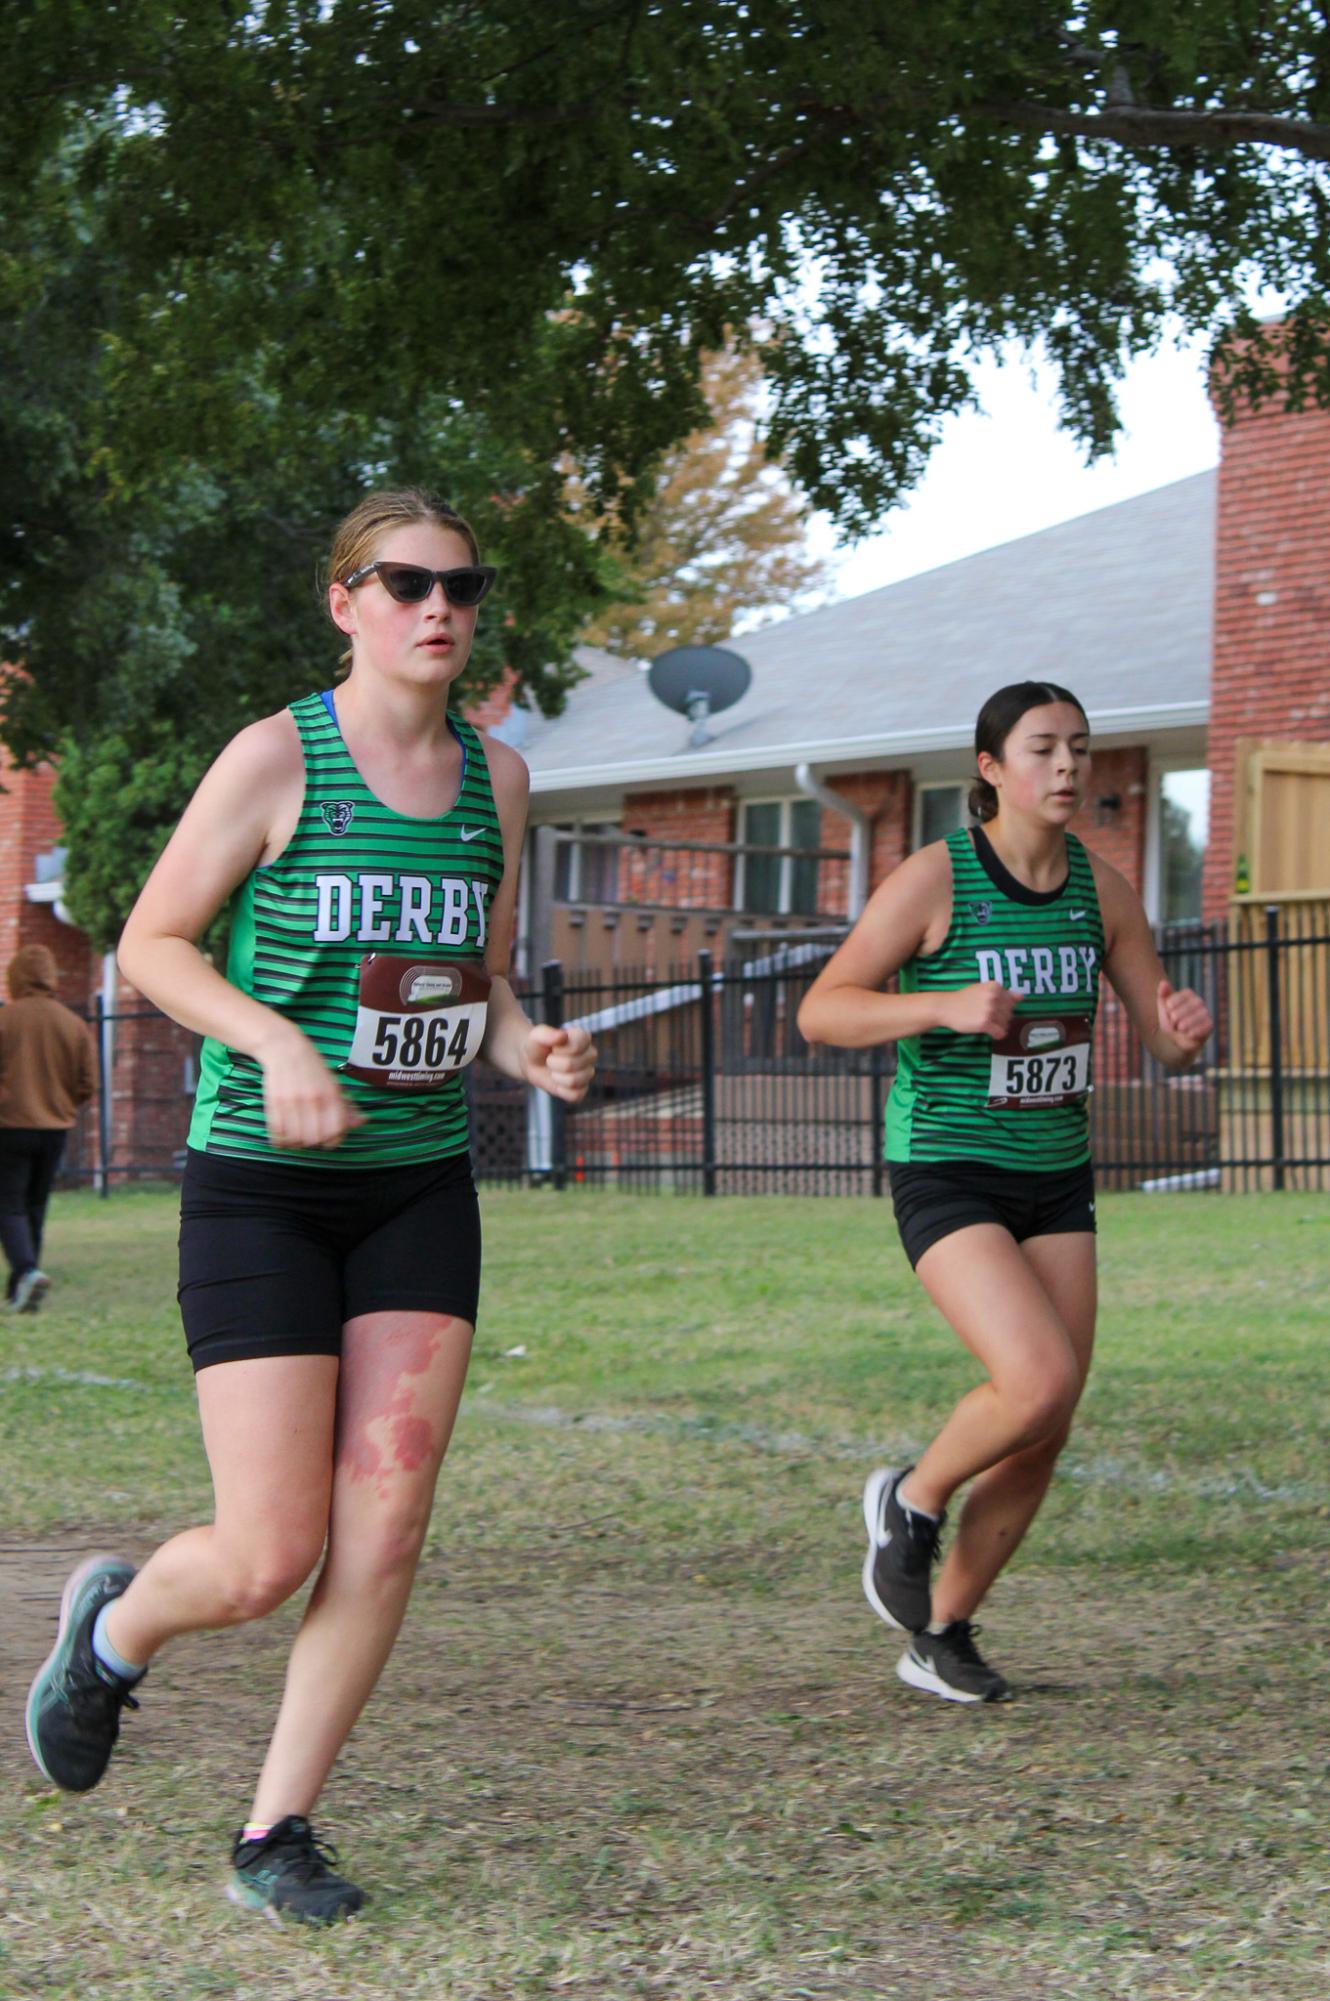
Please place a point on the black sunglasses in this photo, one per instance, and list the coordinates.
(408, 583)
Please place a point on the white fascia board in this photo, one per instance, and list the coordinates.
(852, 752)
(52, 893)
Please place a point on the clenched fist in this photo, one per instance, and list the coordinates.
(561, 1061)
(984, 1009)
(1184, 1016)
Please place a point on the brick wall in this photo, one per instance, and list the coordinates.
(1271, 675)
(677, 876)
(887, 797)
(1119, 837)
(29, 827)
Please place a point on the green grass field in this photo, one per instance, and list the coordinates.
(642, 1735)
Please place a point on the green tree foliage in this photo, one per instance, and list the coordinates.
(397, 196)
(255, 257)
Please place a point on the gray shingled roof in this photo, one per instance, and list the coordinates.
(1117, 605)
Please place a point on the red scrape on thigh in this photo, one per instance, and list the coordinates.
(359, 1454)
(383, 1405)
(413, 1442)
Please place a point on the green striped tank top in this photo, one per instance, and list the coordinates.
(1023, 1102)
(355, 879)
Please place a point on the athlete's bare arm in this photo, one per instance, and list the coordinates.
(907, 916)
(243, 812)
(561, 1061)
(1173, 1024)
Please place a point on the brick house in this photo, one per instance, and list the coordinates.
(856, 732)
(1193, 622)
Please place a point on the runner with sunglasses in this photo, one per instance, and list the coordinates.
(329, 1244)
(999, 935)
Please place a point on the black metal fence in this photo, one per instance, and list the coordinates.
(705, 1085)
(136, 1126)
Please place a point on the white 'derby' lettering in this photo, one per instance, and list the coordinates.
(1027, 970)
(374, 909)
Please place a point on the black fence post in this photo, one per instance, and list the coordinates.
(1276, 1041)
(552, 998)
(103, 1099)
(876, 1105)
(705, 983)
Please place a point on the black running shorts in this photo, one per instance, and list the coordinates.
(934, 1198)
(274, 1259)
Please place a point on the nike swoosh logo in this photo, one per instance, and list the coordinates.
(474, 833)
(1073, 916)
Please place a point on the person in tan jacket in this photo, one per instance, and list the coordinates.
(48, 1068)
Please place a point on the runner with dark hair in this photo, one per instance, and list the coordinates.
(999, 935)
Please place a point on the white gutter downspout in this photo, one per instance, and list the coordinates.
(813, 788)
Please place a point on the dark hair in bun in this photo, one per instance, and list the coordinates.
(997, 719)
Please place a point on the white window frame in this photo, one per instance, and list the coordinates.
(579, 823)
(1157, 769)
(787, 801)
(961, 785)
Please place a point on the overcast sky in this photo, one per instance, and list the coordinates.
(1010, 471)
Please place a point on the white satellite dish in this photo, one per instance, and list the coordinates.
(698, 682)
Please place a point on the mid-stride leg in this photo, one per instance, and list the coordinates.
(402, 1378)
(1003, 1501)
(1027, 1313)
(268, 1427)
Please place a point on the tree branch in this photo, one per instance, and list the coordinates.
(1124, 123)
(500, 114)
(1142, 125)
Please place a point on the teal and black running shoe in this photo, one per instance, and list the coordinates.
(74, 1704)
(288, 1874)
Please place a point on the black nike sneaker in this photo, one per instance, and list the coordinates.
(288, 1874)
(949, 1664)
(902, 1549)
(74, 1704)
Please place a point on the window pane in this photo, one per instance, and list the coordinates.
(599, 867)
(762, 872)
(1184, 826)
(564, 871)
(805, 832)
(941, 809)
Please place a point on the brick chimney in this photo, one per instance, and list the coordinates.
(1271, 672)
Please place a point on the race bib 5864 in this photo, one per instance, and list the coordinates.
(418, 1021)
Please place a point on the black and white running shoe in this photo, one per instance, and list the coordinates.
(950, 1665)
(902, 1549)
(289, 1874)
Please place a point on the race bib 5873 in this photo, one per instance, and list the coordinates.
(1041, 1060)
